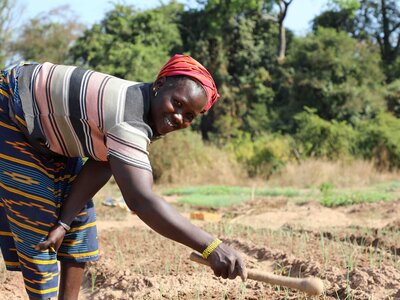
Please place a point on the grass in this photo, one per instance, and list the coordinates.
(224, 196)
(380, 192)
(229, 190)
(350, 198)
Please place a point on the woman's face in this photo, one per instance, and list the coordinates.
(176, 103)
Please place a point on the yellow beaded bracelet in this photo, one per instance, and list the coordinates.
(211, 248)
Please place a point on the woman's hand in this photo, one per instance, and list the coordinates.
(54, 239)
(227, 263)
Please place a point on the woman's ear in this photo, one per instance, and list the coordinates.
(159, 83)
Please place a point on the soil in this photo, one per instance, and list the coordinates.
(355, 250)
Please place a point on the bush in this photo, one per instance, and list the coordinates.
(323, 139)
(393, 97)
(379, 140)
(182, 157)
(264, 156)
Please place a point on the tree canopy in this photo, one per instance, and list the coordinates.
(48, 36)
(130, 44)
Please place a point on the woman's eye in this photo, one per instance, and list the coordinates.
(177, 103)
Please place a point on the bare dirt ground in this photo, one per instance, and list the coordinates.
(355, 250)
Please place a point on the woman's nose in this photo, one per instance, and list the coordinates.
(178, 118)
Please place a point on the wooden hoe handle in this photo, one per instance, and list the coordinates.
(311, 285)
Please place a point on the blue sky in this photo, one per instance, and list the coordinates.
(90, 11)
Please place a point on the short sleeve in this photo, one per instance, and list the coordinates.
(129, 144)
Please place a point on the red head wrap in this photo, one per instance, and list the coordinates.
(185, 65)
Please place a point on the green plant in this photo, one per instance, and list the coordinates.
(324, 251)
(119, 252)
(93, 277)
(326, 187)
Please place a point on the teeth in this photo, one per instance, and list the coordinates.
(169, 122)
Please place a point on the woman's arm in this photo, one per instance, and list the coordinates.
(136, 187)
(93, 176)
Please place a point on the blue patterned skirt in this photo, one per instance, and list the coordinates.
(32, 189)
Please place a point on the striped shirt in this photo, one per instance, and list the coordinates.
(81, 113)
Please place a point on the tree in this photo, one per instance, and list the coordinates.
(238, 42)
(131, 44)
(349, 5)
(7, 21)
(283, 9)
(380, 20)
(340, 20)
(370, 20)
(48, 36)
(333, 73)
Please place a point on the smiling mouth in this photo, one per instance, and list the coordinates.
(169, 123)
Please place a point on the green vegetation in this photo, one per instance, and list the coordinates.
(382, 192)
(213, 200)
(130, 44)
(222, 196)
(349, 198)
(175, 157)
(328, 195)
(332, 94)
(229, 190)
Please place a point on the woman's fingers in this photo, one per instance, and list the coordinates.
(242, 271)
(217, 272)
(227, 263)
(53, 241)
(46, 245)
(233, 270)
(225, 273)
(238, 269)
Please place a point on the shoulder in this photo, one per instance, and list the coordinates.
(137, 107)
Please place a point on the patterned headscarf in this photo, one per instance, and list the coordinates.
(185, 65)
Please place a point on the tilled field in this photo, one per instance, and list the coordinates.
(354, 260)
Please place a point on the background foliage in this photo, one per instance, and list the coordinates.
(334, 95)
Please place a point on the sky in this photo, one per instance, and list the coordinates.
(300, 13)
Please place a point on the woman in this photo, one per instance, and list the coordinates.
(51, 116)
